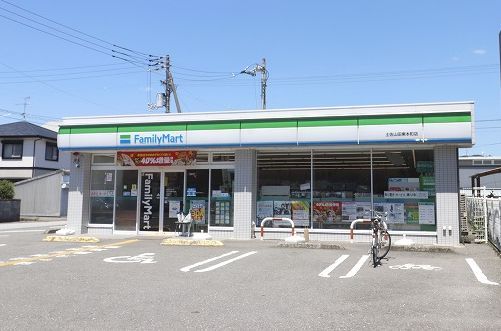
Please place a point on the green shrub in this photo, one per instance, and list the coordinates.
(6, 190)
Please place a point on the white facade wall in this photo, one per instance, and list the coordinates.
(33, 158)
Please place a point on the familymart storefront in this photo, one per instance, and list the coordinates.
(321, 167)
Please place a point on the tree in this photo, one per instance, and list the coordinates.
(6, 190)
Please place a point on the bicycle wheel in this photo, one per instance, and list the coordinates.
(375, 251)
(384, 244)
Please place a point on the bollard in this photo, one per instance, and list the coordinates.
(306, 234)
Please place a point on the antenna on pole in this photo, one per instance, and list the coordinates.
(264, 78)
(25, 104)
(163, 99)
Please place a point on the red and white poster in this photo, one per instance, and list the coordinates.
(156, 158)
(326, 212)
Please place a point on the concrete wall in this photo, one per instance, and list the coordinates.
(43, 196)
(245, 193)
(447, 190)
(79, 195)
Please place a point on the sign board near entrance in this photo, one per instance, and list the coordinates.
(156, 158)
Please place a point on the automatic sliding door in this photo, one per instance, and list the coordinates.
(126, 200)
(173, 199)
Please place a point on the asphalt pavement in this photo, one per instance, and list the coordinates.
(135, 283)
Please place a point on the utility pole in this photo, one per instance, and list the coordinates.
(167, 83)
(163, 99)
(264, 78)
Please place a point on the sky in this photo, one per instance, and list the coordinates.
(318, 53)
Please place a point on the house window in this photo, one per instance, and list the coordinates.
(51, 151)
(12, 149)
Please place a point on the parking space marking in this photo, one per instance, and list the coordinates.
(66, 253)
(325, 273)
(478, 272)
(188, 268)
(1, 245)
(356, 268)
(141, 258)
(227, 262)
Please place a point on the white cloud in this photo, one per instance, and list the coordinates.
(479, 51)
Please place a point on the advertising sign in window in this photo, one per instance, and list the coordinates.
(156, 158)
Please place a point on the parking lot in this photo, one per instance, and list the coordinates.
(136, 283)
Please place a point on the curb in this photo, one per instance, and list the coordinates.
(190, 242)
(314, 245)
(423, 248)
(71, 239)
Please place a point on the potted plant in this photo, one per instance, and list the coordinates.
(10, 208)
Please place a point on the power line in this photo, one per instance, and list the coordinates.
(78, 31)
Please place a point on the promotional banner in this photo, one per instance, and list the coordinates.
(264, 209)
(326, 212)
(197, 209)
(301, 213)
(156, 158)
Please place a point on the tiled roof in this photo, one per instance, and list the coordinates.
(25, 129)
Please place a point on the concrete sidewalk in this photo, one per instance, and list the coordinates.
(35, 224)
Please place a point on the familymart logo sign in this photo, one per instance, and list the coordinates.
(152, 139)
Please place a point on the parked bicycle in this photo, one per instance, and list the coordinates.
(381, 239)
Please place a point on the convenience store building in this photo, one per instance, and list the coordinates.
(321, 167)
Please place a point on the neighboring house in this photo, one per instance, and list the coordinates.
(475, 164)
(28, 151)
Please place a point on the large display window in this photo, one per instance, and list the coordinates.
(405, 189)
(330, 189)
(284, 187)
(341, 188)
(102, 193)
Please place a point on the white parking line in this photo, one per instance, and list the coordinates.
(333, 266)
(1, 245)
(21, 231)
(478, 272)
(188, 268)
(226, 262)
(356, 268)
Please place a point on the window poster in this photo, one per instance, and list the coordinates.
(174, 208)
(300, 213)
(395, 211)
(282, 209)
(264, 209)
(351, 210)
(222, 213)
(427, 213)
(411, 213)
(197, 209)
(326, 212)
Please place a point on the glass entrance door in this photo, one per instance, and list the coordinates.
(173, 199)
(149, 204)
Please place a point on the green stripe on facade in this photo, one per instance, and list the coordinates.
(151, 128)
(447, 118)
(327, 122)
(275, 123)
(388, 120)
(97, 129)
(214, 126)
(267, 124)
(64, 130)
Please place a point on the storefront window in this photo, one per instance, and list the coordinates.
(126, 200)
(222, 197)
(284, 187)
(404, 187)
(341, 188)
(197, 197)
(101, 196)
